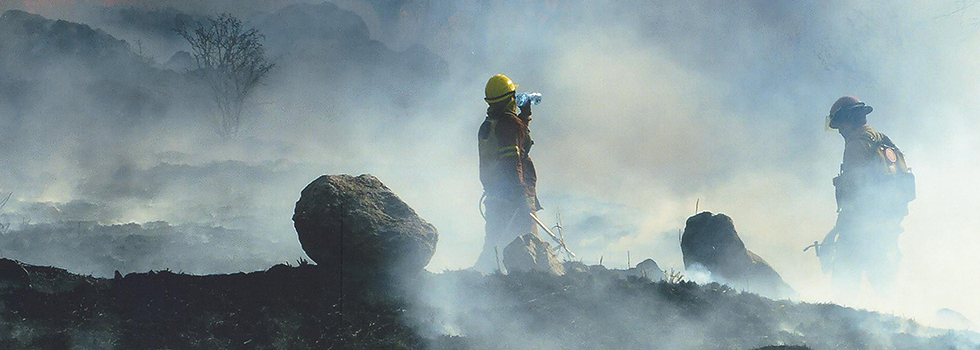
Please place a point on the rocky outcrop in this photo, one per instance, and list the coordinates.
(359, 228)
(530, 253)
(710, 241)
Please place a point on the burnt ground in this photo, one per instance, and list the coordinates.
(296, 307)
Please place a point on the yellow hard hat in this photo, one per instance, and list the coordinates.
(499, 88)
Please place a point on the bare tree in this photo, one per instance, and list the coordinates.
(231, 60)
(4, 226)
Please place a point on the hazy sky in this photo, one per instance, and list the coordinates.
(649, 108)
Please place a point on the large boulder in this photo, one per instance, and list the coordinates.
(357, 227)
(530, 253)
(710, 241)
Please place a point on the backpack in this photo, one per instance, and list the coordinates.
(896, 174)
(896, 183)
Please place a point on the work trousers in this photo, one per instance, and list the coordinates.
(506, 219)
(867, 244)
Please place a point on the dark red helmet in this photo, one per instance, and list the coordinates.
(845, 106)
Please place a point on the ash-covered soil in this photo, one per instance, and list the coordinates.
(297, 307)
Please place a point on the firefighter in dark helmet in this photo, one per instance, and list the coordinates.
(506, 171)
(873, 190)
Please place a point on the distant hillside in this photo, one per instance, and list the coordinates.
(318, 47)
(72, 72)
(321, 45)
(91, 248)
(69, 73)
(29, 43)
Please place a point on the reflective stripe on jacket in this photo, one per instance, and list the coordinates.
(505, 168)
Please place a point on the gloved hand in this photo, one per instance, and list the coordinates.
(525, 111)
(828, 249)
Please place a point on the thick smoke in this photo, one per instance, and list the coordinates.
(649, 109)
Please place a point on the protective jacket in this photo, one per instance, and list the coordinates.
(506, 170)
(873, 176)
(873, 191)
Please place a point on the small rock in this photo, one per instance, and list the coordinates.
(180, 62)
(530, 253)
(647, 269)
(575, 267)
(951, 319)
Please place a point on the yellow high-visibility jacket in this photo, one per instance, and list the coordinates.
(506, 170)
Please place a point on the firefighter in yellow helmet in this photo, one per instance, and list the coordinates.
(506, 171)
(873, 191)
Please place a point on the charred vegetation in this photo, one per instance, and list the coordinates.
(296, 307)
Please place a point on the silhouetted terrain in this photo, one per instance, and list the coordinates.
(292, 307)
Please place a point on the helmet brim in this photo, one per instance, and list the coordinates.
(834, 119)
(865, 109)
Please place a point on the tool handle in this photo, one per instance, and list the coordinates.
(560, 242)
